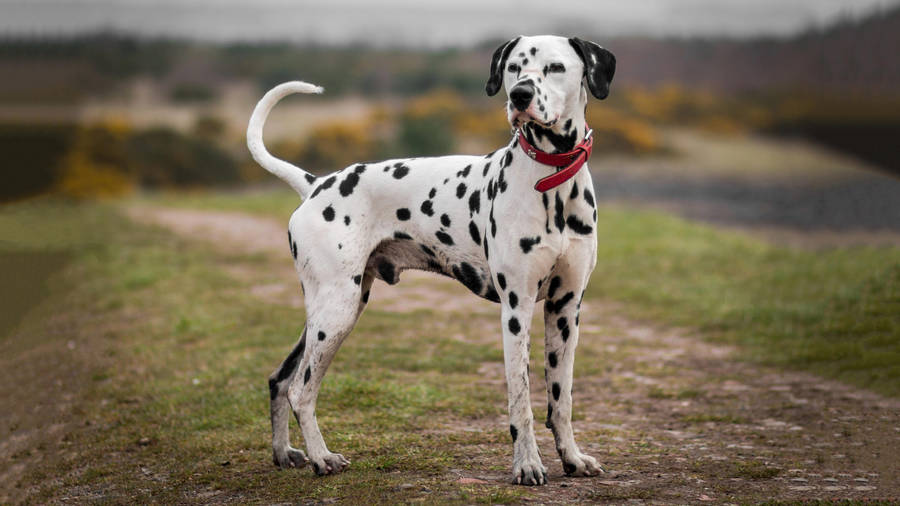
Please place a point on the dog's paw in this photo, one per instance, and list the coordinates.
(581, 465)
(529, 472)
(331, 463)
(291, 458)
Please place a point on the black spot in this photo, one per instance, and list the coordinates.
(306, 375)
(400, 171)
(461, 190)
(427, 208)
(446, 180)
(348, 184)
(493, 223)
(501, 280)
(532, 51)
(473, 231)
(365, 297)
(554, 284)
(561, 323)
(436, 267)
(402, 236)
(403, 214)
(468, 276)
(513, 300)
(507, 159)
(487, 167)
(474, 202)
(577, 226)
(568, 125)
(556, 307)
(288, 366)
(328, 213)
(273, 388)
(565, 333)
(359, 169)
(514, 326)
(561, 142)
(574, 193)
(294, 249)
(525, 61)
(556, 391)
(309, 178)
(549, 422)
(501, 181)
(432, 193)
(526, 243)
(340, 246)
(444, 237)
(465, 171)
(558, 218)
(357, 279)
(324, 186)
(386, 271)
(589, 197)
(569, 468)
(492, 295)
(321, 336)
(427, 250)
(346, 220)
(513, 432)
(551, 359)
(486, 255)
(445, 220)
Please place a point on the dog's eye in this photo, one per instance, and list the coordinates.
(513, 67)
(557, 67)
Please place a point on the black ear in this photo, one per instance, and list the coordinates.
(498, 63)
(599, 66)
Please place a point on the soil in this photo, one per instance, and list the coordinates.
(671, 417)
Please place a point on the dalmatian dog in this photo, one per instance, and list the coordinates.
(478, 219)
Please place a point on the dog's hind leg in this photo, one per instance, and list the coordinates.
(332, 311)
(282, 453)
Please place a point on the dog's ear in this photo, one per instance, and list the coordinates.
(599, 66)
(498, 64)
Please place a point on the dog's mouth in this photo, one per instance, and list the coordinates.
(522, 117)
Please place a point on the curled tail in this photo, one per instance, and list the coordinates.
(300, 180)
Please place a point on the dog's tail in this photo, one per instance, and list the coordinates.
(299, 179)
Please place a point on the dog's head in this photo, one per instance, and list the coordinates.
(544, 76)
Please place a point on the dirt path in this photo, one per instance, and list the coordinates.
(674, 419)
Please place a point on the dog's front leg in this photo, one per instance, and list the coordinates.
(516, 316)
(561, 320)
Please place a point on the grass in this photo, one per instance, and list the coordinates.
(185, 389)
(175, 395)
(832, 312)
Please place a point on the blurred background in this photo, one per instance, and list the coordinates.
(741, 327)
(766, 113)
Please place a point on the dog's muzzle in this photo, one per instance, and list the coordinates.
(521, 96)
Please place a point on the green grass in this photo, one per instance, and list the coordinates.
(832, 312)
(187, 350)
(189, 374)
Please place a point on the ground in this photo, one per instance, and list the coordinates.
(713, 366)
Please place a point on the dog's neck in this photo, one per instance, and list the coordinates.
(563, 136)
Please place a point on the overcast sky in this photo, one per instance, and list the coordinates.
(424, 22)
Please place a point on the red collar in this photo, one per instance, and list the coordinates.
(567, 164)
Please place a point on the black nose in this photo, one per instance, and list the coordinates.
(521, 96)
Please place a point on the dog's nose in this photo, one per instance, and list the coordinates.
(521, 96)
